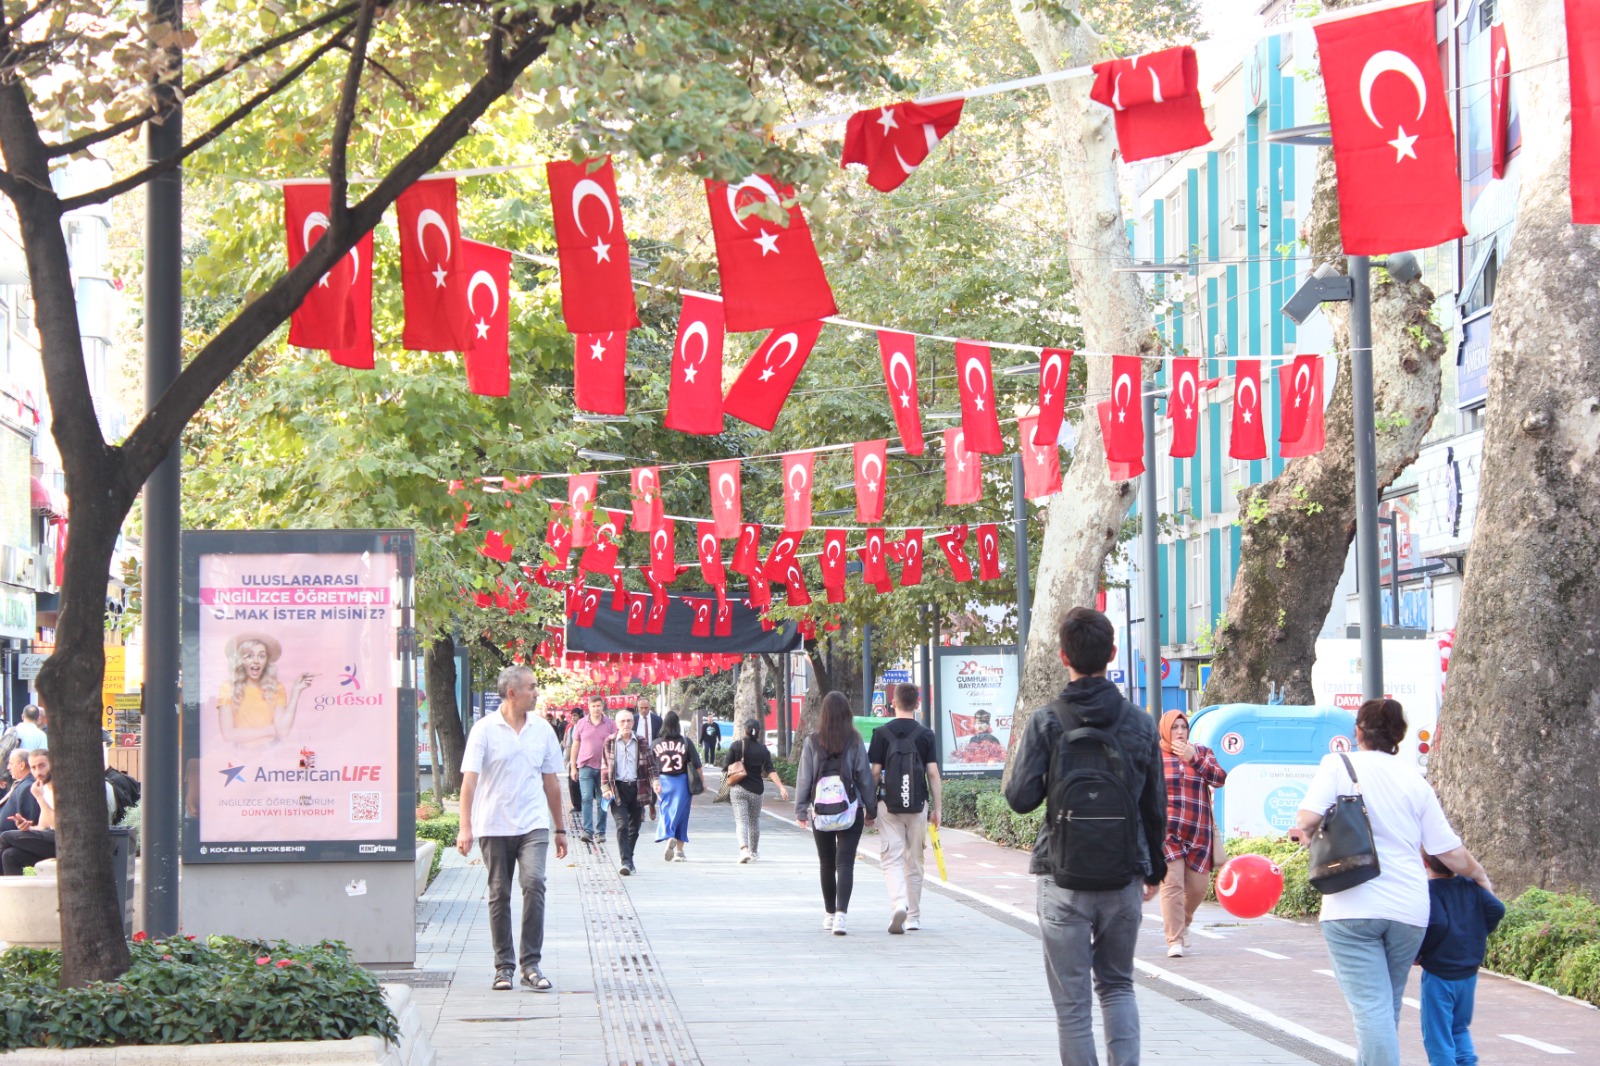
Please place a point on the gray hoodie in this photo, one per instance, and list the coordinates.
(855, 764)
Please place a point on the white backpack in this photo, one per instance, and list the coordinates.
(834, 803)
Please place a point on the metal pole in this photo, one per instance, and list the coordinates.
(1019, 520)
(927, 669)
(1127, 628)
(163, 338)
(1371, 605)
(1150, 565)
(866, 670)
(785, 738)
(1393, 522)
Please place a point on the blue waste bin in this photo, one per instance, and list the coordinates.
(1270, 752)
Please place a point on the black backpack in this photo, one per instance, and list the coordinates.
(1091, 809)
(905, 782)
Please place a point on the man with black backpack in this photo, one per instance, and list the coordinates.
(906, 772)
(1094, 760)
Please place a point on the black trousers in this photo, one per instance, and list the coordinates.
(836, 854)
(629, 813)
(575, 794)
(21, 848)
(710, 749)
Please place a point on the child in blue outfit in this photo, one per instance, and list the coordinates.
(1461, 916)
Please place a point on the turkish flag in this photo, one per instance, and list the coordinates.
(1183, 407)
(988, 536)
(694, 394)
(963, 473)
(1155, 101)
(619, 595)
(870, 457)
(663, 567)
(596, 280)
(1499, 106)
(1247, 439)
(488, 314)
(760, 591)
(638, 606)
(558, 535)
(600, 557)
(1394, 150)
(541, 575)
(952, 544)
(433, 278)
(874, 565)
(710, 551)
(1301, 431)
(783, 553)
(1054, 365)
(911, 558)
(1125, 443)
(656, 617)
(495, 547)
(1583, 74)
(975, 380)
(794, 585)
(899, 354)
(1116, 470)
(763, 385)
(893, 141)
(832, 560)
(573, 591)
(647, 505)
(599, 366)
(580, 507)
(771, 275)
(1041, 463)
(702, 615)
(723, 627)
(747, 554)
(807, 628)
(834, 593)
(359, 355)
(326, 318)
(588, 606)
(797, 491)
(725, 505)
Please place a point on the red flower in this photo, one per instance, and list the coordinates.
(140, 937)
(281, 963)
(189, 937)
(166, 958)
(263, 960)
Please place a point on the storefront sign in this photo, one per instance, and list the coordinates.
(976, 695)
(16, 613)
(1472, 365)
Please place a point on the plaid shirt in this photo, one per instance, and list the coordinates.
(646, 769)
(1189, 823)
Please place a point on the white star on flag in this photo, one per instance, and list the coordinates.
(872, 486)
(797, 495)
(483, 329)
(768, 242)
(905, 399)
(689, 373)
(439, 274)
(597, 351)
(1046, 395)
(1122, 416)
(1188, 412)
(766, 374)
(887, 121)
(1403, 145)
(977, 402)
(1247, 414)
(602, 252)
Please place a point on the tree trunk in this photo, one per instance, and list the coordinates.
(821, 685)
(1521, 714)
(747, 696)
(444, 717)
(1298, 527)
(1083, 519)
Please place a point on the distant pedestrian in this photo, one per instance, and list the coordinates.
(1093, 759)
(1192, 772)
(30, 731)
(627, 780)
(572, 716)
(710, 739)
(906, 769)
(648, 722)
(1461, 915)
(512, 811)
(749, 792)
(675, 758)
(585, 754)
(834, 797)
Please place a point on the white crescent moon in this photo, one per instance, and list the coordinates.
(1500, 60)
(750, 535)
(1232, 877)
(754, 181)
(1116, 390)
(1155, 88)
(786, 545)
(1186, 378)
(660, 538)
(1400, 63)
(973, 364)
(696, 329)
(483, 277)
(609, 528)
(725, 480)
(646, 476)
(1305, 372)
(832, 545)
(961, 442)
(899, 359)
(580, 496)
(797, 469)
(708, 544)
(789, 340)
(584, 190)
(873, 459)
(429, 217)
(875, 544)
(315, 220)
(988, 544)
(1255, 396)
(1052, 363)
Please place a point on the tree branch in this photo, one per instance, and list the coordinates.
(344, 119)
(405, 90)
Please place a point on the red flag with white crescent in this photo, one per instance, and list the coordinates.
(619, 594)
(874, 563)
(953, 544)
(1300, 430)
(558, 535)
(1247, 440)
(599, 372)
(1499, 99)
(488, 315)
(495, 547)
(747, 553)
(807, 627)
(832, 560)
(870, 457)
(911, 558)
(760, 590)
(725, 498)
(433, 277)
(656, 617)
(694, 392)
(899, 354)
(1041, 463)
(784, 551)
(1583, 75)
(980, 416)
(794, 585)
(1394, 148)
(1183, 407)
(326, 317)
(359, 356)
(770, 273)
(988, 537)
(596, 278)
(963, 472)
(1125, 443)
(638, 607)
(580, 507)
(588, 606)
(723, 625)
(1155, 102)
(702, 615)
(709, 550)
(663, 568)
(600, 557)
(763, 385)
(647, 505)
(797, 491)
(1054, 366)
(893, 141)
(1115, 470)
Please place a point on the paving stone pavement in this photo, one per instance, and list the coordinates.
(711, 963)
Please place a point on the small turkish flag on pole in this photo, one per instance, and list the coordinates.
(1054, 365)
(694, 395)
(588, 606)
(797, 491)
(647, 505)
(656, 618)
(1499, 99)
(1247, 440)
(432, 277)
(596, 279)
(794, 585)
(1183, 407)
(638, 606)
(600, 557)
(899, 354)
(1301, 429)
(747, 554)
(1116, 470)
(359, 355)
(988, 536)
(1155, 101)
(599, 368)
(710, 551)
(771, 275)
(911, 558)
(724, 623)
(1583, 74)
(893, 141)
(975, 380)
(663, 568)
(874, 567)
(725, 505)
(1041, 463)
(760, 591)
(488, 314)
(580, 500)
(952, 544)
(325, 318)
(963, 473)
(782, 554)
(558, 535)
(1125, 442)
(763, 385)
(702, 616)
(832, 560)
(1394, 150)
(870, 457)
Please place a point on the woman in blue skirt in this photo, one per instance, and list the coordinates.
(676, 758)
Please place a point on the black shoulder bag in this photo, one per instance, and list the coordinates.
(1343, 854)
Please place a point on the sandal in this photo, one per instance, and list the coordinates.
(535, 980)
(502, 982)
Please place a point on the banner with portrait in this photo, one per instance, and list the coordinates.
(976, 695)
(299, 704)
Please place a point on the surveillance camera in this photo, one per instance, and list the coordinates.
(1403, 266)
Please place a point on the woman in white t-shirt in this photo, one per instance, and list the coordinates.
(1373, 931)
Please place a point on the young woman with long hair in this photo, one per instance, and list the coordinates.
(835, 756)
(674, 755)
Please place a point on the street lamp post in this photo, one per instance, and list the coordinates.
(1019, 526)
(1151, 564)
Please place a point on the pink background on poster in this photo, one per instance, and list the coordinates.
(344, 727)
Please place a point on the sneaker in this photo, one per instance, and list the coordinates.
(681, 857)
(1186, 939)
(672, 846)
(838, 923)
(1175, 950)
(630, 867)
(535, 980)
(827, 923)
(625, 869)
(754, 855)
(602, 838)
(586, 838)
(744, 855)
(913, 924)
(897, 920)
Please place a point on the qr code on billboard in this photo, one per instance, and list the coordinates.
(366, 806)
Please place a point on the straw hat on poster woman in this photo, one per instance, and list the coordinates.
(253, 706)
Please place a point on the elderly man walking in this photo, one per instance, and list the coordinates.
(510, 787)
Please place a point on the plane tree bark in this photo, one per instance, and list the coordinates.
(444, 716)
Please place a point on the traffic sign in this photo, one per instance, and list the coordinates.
(1117, 677)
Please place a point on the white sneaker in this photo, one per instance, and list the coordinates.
(1175, 951)
(672, 845)
(897, 920)
(838, 923)
(744, 855)
(913, 923)
(754, 855)
(681, 856)
(827, 923)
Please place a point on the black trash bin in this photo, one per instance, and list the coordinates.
(123, 841)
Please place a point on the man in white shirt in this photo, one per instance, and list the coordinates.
(30, 731)
(510, 784)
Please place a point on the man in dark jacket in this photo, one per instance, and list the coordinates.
(1093, 933)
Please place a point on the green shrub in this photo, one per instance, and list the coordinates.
(787, 769)
(1550, 939)
(1299, 899)
(960, 796)
(1001, 824)
(186, 991)
(442, 831)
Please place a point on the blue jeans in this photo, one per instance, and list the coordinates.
(1447, 1020)
(1094, 933)
(1371, 958)
(594, 811)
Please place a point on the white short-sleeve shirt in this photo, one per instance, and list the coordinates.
(509, 799)
(1406, 819)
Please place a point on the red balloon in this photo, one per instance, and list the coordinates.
(1248, 886)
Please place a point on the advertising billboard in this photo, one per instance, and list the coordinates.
(976, 694)
(300, 720)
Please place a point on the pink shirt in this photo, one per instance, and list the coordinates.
(591, 740)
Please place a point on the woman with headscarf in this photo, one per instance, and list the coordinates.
(1192, 772)
(674, 755)
(748, 793)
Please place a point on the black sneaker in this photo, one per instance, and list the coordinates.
(586, 838)
(602, 838)
(626, 870)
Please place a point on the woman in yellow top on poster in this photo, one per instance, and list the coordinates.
(253, 706)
